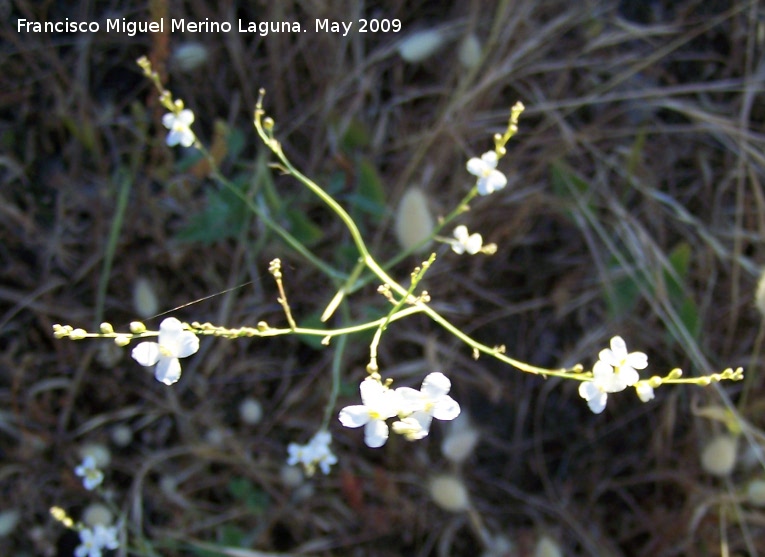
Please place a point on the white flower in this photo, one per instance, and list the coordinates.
(316, 451)
(180, 128)
(173, 343)
(420, 407)
(466, 242)
(612, 373)
(90, 474)
(644, 391)
(624, 365)
(380, 403)
(93, 541)
(489, 178)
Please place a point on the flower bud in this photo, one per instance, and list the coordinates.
(121, 340)
(78, 334)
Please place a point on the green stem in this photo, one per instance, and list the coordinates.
(111, 246)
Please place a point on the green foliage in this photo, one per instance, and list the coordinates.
(253, 498)
(223, 217)
(625, 290)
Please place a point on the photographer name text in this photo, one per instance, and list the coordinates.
(262, 28)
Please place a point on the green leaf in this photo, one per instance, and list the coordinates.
(253, 498)
(679, 259)
(565, 183)
(302, 228)
(223, 217)
(689, 315)
(622, 296)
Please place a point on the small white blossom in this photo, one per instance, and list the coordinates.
(612, 373)
(624, 365)
(644, 391)
(94, 541)
(315, 452)
(173, 343)
(90, 474)
(489, 178)
(420, 407)
(466, 242)
(180, 128)
(379, 404)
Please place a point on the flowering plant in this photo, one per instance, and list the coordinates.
(404, 410)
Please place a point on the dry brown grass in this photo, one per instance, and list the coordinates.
(650, 112)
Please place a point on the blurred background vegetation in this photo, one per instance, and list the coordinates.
(634, 207)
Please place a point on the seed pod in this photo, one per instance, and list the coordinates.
(420, 45)
(449, 493)
(719, 455)
(414, 222)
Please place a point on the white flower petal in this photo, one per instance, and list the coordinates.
(476, 166)
(490, 159)
(461, 233)
(168, 370)
(187, 344)
(435, 385)
(602, 372)
(375, 433)
(638, 360)
(186, 117)
(595, 397)
(627, 377)
(619, 347)
(146, 353)
(446, 408)
(371, 390)
(354, 416)
(607, 356)
(411, 400)
(598, 403)
(168, 120)
(474, 243)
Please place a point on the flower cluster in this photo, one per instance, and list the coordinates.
(174, 342)
(315, 452)
(94, 541)
(89, 472)
(415, 409)
(615, 370)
